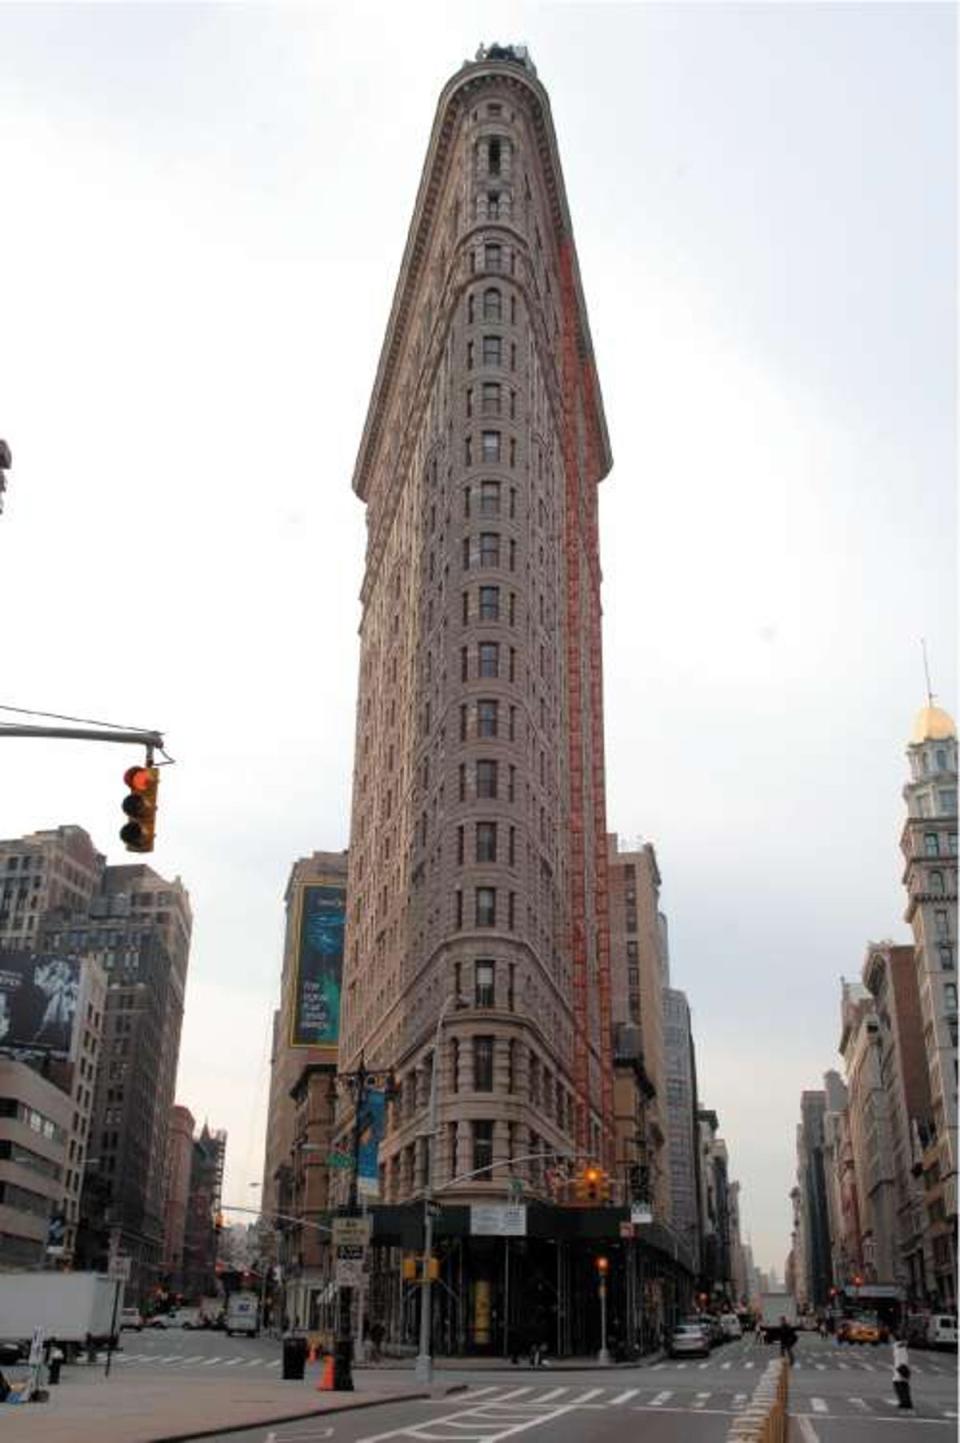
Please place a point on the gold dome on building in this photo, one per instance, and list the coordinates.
(933, 724)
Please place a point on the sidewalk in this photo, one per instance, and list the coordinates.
(123, 1409)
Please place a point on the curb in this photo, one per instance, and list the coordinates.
(272, 1421)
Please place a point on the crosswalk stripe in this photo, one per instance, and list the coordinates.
(819, 1406)
(661, 1398)
(869, 1367)
(585, 1397)
(739, 1399)
(657, 1366)
(844, 1366)
(822, 1367)
(232, 1362)
(701, 1400)
(253, 1363)
(726, 1365)
(514, 1393)
(274, 1363)
(554, 1393)
(681, 1365)
(748, 1365)
(859, 1403)
(621, 1397)
(948, 1414)
(173, 1358)
(479, 1392)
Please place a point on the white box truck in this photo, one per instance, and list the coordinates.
(74, 1308)
(773, 1307)
(243, 1314)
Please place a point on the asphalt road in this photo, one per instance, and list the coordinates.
(837, 1395)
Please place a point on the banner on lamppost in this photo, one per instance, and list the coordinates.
(372, 1121)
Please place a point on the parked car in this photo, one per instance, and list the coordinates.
(179, 1318)
(131, 1318)
(731, 1325)
(942, 1331)
(689, 1339)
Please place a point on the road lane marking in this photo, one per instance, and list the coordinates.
(748, 1365)
(173, 1358)
(253, 1363)
(584, 1398)
(232, 1362)
(701, 1366)
(622, 1397)
(701, 1400)
(554, 1393)
(818, 1405)
(209, 1362)
(739, 1399)
(821, 1366)
(657, 1366)
(859, 1403)
(726, 1365)
(661, 1398)
(681, 1365)
(275, 1363)
(844, 1366)
(475, 1423)
(806, 1429)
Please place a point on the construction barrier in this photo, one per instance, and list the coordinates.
(326, 1377)
(764, 1420)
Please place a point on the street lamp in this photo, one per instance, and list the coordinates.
(424, 1367)
(357, 1083)
(603, 1265)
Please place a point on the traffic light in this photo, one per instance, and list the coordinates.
(603, 1267)
(592, 1185)
(141, 807)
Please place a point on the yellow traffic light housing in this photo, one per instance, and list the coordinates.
(140, 805)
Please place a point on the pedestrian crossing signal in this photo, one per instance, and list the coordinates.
(140, 805)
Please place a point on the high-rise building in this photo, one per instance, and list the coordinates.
(203, 1205)
(176, 1205)
(929, 845)
(813, 1256)
(478, 850)
(682, 1127)
(870, 1134)
(136, 926)
(890, 976)
(638, 968)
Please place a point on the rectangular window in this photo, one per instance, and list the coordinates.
(463, 782)
(942, 924)
(483, 1064)
(488, 658)
(463, 723)
(511, 910)
(468, 450)
(511, 977)
(483, 984)
(489, 498)
(492, 257)
(493, 156)
(489, 398)
(458, 909)
(464, 664)
(489, 603)
(489, 548)
(931, 844)
(511, 784)
(487, 718)
(454, 1065)
(489, 446)
(487, 779)
(459, 846)
(466, 553)
(486, 841)
(512, 848)
(491, 305)
(486, 902)
(492, 350)
(466, 608)
(493, 205)
(482, 1146)
(945, 953)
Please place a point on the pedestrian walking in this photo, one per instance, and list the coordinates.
(901, 1373)
(788, 1340)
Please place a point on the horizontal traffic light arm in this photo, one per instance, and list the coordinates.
(82, 734)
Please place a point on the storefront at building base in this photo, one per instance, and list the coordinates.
(509, 1277)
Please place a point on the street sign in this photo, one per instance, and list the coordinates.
(498, 1220)
(339, 1159)
(433, 1210)
(350, 1259)
(350, 1232)
(118, 1267)
(641, 1213)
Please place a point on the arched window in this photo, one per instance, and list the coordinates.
(936, 883)
(492, 304)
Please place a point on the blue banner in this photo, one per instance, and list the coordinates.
(372, 1121)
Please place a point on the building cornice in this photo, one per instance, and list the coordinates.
(458, 94)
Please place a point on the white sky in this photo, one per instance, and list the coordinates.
(203, 214)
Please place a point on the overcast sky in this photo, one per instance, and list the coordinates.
(203, 215)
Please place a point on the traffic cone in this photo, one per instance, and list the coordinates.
(326, 1377)
(312, 1353)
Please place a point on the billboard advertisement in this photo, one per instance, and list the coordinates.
(372, 1120)
(319, 966)
(38, 1002)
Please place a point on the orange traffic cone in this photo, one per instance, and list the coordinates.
(326, 1377)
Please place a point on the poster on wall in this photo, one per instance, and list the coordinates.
(38, 1002)
(372, 1119)
(319, 966)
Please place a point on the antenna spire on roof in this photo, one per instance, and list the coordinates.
(926, 670)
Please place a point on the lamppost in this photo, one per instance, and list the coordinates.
(424, 1366)
(357, 1083)
(603, 1265)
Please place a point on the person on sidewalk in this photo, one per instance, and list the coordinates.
(788, 1340)
(901, 1373)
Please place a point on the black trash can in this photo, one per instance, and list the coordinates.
(294, 1359)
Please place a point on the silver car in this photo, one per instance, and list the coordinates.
(689, 1340)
